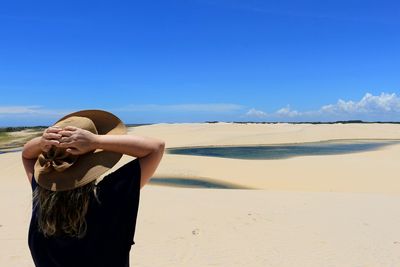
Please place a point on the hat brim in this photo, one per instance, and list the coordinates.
(106, 122)
(89, 166)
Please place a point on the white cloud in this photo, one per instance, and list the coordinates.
(287, 112)
(369, 107)
(20, 110)
(30, 111)
(384, 103)
(213, 108)
(145, 113)
(29, 115)
(254, 113)
(385, 106)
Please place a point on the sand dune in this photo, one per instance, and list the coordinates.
(355, 172)
(339, 210)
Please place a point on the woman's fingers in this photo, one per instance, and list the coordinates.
(66, 133)
(52, 133)
(66, 145)
(53, 129)
(49, 136)
(56, 132)
(70, 128)
(66, 139)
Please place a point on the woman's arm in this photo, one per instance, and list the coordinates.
(35, 146)
(29, 154)
(148, 150)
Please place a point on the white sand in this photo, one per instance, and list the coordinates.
(341, 210)
(357, 172)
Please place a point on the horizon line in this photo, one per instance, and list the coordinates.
(239, 122)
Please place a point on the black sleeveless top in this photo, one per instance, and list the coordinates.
(110, 226)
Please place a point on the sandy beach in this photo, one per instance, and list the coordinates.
(335, 210)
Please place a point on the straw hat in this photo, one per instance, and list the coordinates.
(58, 170)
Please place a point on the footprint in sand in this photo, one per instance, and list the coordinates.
(196, 231)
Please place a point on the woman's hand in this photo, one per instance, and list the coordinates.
(50, 137)
(77, 141)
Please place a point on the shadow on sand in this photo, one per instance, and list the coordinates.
(192, 183)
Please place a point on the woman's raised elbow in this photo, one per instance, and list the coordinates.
(160, 145)
(156, 145)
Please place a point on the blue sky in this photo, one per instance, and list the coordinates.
(193, 61)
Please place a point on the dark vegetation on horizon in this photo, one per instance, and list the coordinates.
(41, 127)
(20, 128)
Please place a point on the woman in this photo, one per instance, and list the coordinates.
(77, 220)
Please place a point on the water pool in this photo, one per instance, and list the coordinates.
(283, 151)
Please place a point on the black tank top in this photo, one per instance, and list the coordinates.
(110, 226)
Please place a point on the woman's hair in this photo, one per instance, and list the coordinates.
(63, 212)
